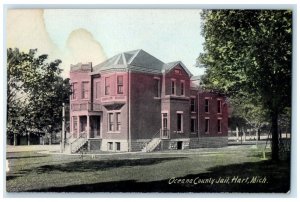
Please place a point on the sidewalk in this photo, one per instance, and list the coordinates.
(22, 148)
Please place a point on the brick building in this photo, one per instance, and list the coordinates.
(135, 102)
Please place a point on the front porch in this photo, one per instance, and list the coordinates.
(87, 126)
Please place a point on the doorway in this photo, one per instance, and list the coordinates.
(165, 131)
(179, 145)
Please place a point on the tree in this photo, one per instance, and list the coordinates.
(35, 93)
(249, 51)
(249, 110)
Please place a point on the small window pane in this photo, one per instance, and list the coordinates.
(107, 86)
(173, 87)
(179, 122)
(192, 104)
(110, 122)
(118, 146)
(120, 84)
(193, 125)
(182, 88)
(219, 126)
(206, 105)
(219, 106)
(118, 121)
(206, 125)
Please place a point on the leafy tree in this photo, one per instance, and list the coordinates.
(249, 52)
(35, 93)
(249, 110)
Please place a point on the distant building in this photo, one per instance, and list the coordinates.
(135, 102)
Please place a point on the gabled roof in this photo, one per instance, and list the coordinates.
(169, 66)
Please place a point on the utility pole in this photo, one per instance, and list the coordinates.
(63, 128)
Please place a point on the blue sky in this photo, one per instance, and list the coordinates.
(169, 35)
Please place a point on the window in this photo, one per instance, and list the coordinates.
(193, 125)
(179, 122)
(118, 115)
(193, 104)
(120, 84)
(206, 105)
(118, 146)
(85, 90)
(98, 89)
(75, 123)
(110, 122)
(110, 146)
(107, 85)
(219, 106)
(173, 87)
(74, 91)
(182, 88)
(219, 126)
(206, 125)
(177, 71)
(157, 87)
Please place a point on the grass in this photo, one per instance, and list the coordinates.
(147, 172)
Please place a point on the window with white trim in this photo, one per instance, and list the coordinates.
(118, 146)
(120, 84)
(157, 87)
(173, 87)
(182, 88)
(74, 90)
(110, 146)
(193, 100)
(219, 125)
(107, 86)
(179, 122)
(118, 117)
(75, 123)
(110, 121)
(206, 105)
(219, 106)
(85, 90)
(193, 125)
(206, 129)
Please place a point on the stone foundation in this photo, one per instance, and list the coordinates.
(175, 144)
(94, 144)
(171, 144)
(105, 145)
(139, 144)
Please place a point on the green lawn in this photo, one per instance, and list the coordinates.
(149, 172)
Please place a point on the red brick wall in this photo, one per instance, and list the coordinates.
(213, 115)
(171, 75)
(79, 77)
(179, 105)
(123, 133)
(194, 95)
(145, 109)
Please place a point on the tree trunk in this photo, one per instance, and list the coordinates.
(275, 148)
(15, 139)
(280, 133)
(244, 134)
(28, 139)
(237, 133)
(50, 139)
(258, 134)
